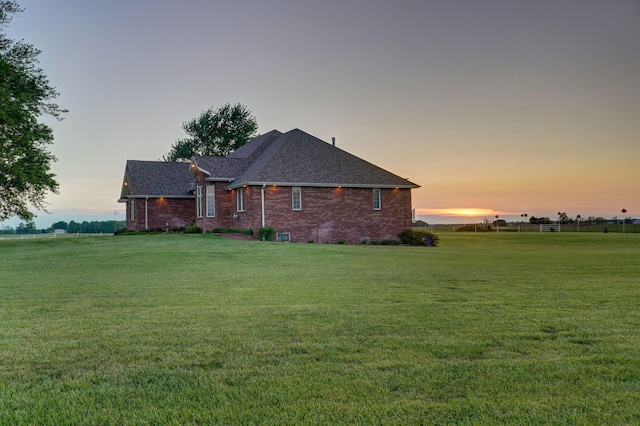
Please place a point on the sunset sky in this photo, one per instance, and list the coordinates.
(507, 107)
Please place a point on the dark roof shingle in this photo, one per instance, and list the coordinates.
(156, 179)
(294, 158)
(299, 158)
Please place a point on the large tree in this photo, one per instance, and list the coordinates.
(25, 96)
(215, 133)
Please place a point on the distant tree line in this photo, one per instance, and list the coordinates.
(566, 220)
(563, 218)
(73, 227)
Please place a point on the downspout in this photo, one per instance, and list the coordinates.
(262, 199)
(146, 213)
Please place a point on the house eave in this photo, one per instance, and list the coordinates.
(194, 166)
(124, 200)
(219, 179)
(323, 185)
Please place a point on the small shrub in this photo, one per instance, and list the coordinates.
(266, 234)
(192, 229)
(342, 241)
(311, 242)
(414, 237)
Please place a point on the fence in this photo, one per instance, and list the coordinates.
(528, 227)
(603, 227)
(25, 236)
(47, 235)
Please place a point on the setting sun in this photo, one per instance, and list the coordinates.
(462, 211)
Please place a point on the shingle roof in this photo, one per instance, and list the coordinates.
(229, 167)
(156, 179)
(298, 158)
(220, 168)
(255, 146)
(294, 158)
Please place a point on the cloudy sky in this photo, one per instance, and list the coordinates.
(503, 105)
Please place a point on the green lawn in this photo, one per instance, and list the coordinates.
(515, 328)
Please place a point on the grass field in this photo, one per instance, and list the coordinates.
(519, 328)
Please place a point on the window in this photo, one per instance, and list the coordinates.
(132, 209)
(199, 200)
(240, 199)
(283, 237)
(211, 200)
(296, 198)
(377, 202)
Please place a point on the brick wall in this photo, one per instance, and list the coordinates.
(224, 206)
(327, 215)
(333, 214)
(162, 212)
(251, 217)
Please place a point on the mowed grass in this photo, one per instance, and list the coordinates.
(522, 328)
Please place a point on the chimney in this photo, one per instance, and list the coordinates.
(333, 141)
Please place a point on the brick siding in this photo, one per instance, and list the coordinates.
(327, 215)
(162, 212)
(333, 214)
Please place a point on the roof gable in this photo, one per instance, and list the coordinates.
(219, 168)
(294, 158)
(255, 146)
(233, 165)
(298, 158)
(156, 179)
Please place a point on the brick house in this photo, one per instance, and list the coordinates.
(158, 195)
(303, 187)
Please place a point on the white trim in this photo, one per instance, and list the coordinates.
(219, 179)
(324, 185)
(262, 200)
(157, 196)
(200, 169)
(240, 199)
(199, 208)
(210, 191)
(377, 199)
(288, 236)
(132, 210)
(294, 190)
